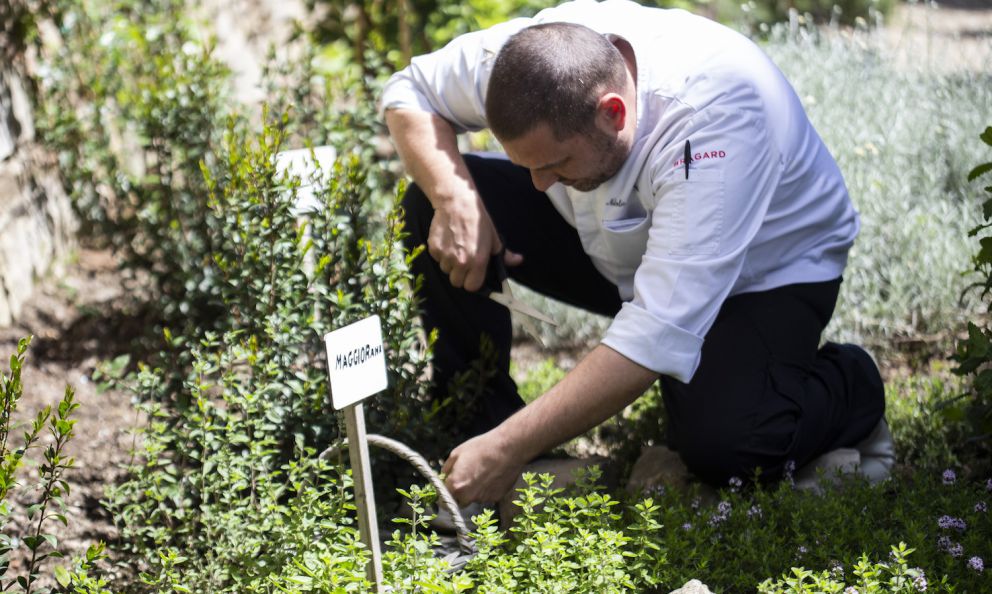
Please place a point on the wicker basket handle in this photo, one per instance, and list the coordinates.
(465, 543)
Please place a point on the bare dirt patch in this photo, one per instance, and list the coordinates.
(87, 316)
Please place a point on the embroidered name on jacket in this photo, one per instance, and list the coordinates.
(702, 157)
(616, 202)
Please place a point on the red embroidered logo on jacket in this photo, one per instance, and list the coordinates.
(701, 157)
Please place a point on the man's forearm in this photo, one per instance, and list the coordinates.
(600, 386)
(428, 148)
(462, 236)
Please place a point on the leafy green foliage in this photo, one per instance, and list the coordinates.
(975, 352)
(48, 505)
(571, 543)
(894, 577)
(927, 417)
(749, 535)
(132, 99)
(388, 33)
(226, 492)
(227, 513)
(587, 541)
(226, 468)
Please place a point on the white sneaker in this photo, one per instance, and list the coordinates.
(827, 466)
(878, 453)
(873, 457)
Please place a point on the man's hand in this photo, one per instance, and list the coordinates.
(462, 239)
(484, 468)
(481, 470)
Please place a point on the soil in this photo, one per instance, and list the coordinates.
(90, 314)
(86, 316)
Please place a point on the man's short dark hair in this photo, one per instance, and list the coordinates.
(553, 73)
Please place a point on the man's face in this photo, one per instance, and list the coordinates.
(581, 161)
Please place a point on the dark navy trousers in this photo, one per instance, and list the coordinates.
(765, 392)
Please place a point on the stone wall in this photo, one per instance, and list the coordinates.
(36, 221)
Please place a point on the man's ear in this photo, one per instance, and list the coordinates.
(613, 111)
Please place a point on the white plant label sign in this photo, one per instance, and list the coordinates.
(356, 361)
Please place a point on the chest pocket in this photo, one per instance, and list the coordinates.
(626, 240)
(690, 213)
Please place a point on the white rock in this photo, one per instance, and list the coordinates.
(692, 587)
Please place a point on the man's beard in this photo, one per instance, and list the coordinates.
(614, 152)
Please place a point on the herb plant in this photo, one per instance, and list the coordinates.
(37, 545)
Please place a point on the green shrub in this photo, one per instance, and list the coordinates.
(132, 101)
(256, 398)
(559, 543)
(225, 511)
(751, 535)
(225, 249)
(975, 352)
(893, 576)
(903, 280)
(36, 544)
(927, 417)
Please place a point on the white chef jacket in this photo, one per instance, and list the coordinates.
(764, 204)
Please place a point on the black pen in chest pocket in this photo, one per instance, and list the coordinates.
(687, 158)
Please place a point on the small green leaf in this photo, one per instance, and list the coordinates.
(979, 171)
(62, 576)
(51, 540)
(987, 136)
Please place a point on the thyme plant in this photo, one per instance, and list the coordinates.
(37, 544)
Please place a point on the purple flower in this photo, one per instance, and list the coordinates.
(949, 477)
(754, 512)
(790, 468)
(850, 590)
(977, 564)
(944, 543)
(735, 484)
(801, 550)
(687, 526)
(722, 513)
(981, 507)
(695, 503)
(988, 485)
(836, 569)
(920, 581)
(948, 522)
(955, 550)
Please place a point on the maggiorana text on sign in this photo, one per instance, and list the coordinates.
(356, 362)
(357, 356)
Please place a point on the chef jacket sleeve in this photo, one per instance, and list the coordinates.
(452, 81)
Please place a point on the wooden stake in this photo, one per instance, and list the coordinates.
(358, 451)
